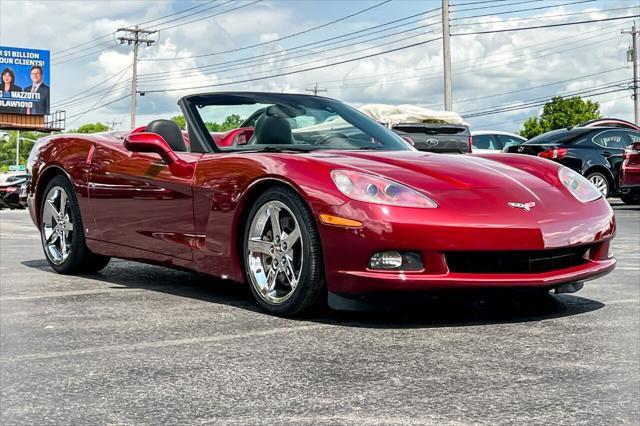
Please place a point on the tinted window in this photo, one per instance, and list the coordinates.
(611, 139)
(484, 142)
(507, 141)
(634, 137)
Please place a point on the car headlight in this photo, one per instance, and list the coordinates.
(377, 190)
(578, 185)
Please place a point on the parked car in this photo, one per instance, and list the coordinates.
(493, 140)
(329, 211)
(10, 190)
(594, 152)
(432, 137)
(609, 122)
(630, 174)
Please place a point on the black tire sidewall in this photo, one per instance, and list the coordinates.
(79, 250)
(632, 197)
(310, 287)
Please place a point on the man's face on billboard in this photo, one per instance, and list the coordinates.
(36, 75)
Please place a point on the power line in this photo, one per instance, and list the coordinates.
(140, 23)
(479, 2)
(482, 67)
(541, 101)
(308, 30)
(397, 49)
(101, 106)
(492, 6)
(62, 101)
(546, 26)
(92, 108)
(73, 58)
(539, 17)
(212, 15)
(179, 13)
(251, 63)
(304, 63)
(524, 10)
(563, 40)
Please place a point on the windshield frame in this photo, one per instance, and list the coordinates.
(202, 141)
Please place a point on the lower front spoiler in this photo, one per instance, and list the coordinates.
(363, 282)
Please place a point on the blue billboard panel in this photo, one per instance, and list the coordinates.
(24, 83)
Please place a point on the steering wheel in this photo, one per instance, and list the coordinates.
(326, 138)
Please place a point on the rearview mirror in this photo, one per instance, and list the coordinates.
(150, 142)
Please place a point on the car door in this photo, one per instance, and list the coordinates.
(611, 145)
(137, 202)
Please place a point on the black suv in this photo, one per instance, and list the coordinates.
(595, 152)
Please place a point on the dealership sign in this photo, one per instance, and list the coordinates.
(24, 83)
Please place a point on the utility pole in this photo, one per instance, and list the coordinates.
(446, 53)
(135, 36)
(114, 125)
(634, 58)
(17, 147)
(315, 90)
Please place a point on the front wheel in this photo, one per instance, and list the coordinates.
(62, 232)
(282, 254)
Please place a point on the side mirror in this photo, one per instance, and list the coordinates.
(150, 142)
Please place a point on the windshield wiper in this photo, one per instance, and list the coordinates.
(369, 148)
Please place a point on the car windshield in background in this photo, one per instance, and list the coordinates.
(291, 122)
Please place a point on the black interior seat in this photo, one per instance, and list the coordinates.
(171, 133)
(272, 130)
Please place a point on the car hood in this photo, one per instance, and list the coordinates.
(441, 172)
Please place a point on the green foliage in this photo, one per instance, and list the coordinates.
(179, 120)
(91, 128)
(231, 122)
(560, 113)
(8, 148)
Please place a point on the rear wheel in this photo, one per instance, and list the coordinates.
(282, 254)
(62, 232)
(601, 183)
(632, 197)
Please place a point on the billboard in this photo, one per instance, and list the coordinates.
(24, 82)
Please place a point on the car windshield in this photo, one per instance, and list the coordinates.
(238, 122)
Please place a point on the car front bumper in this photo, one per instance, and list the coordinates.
(432, 234)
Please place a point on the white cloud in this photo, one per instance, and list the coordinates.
(484, 64)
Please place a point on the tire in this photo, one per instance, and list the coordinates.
(285, 273)
(62, 231)
(632, 197)
(601, 182)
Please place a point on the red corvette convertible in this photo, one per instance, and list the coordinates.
(314, 200)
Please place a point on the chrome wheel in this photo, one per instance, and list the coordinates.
(57, 225)
(601, 184)
(274, 252)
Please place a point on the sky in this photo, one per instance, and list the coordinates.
(261, 38)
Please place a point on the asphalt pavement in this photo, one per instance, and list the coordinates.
(140, 344)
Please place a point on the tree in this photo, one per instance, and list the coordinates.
(560, 113)
(231, 122)
(179, 120)
(8, 148)
(91, 128)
